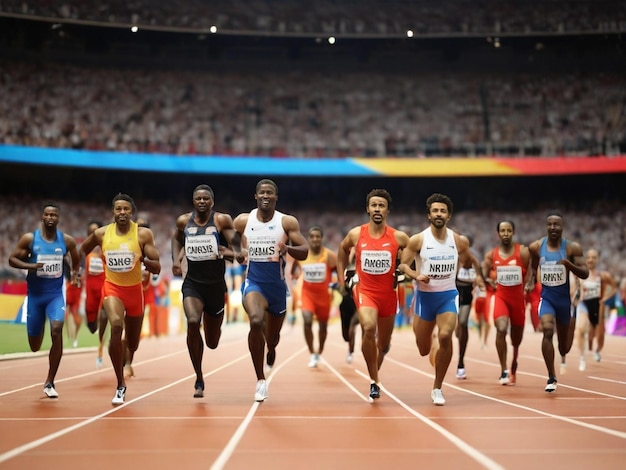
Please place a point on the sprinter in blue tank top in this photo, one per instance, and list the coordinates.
(42, 254)
(552, 259)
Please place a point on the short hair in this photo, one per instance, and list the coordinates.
(50, 204)
(378, 193)
(505, 221)
(204, 187)
(127, 198)
(316, 228)
(438, 197)
(266, 181)
(554, 212)
(94, 221)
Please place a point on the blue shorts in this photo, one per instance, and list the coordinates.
(274, 292)
(431, 304)
(50, 305)
(561, 309)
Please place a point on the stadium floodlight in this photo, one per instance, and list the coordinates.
(409, 33)
(134, 28)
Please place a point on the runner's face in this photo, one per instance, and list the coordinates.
(202, 200)
(554, 225)
(505, 233)
(378, 209)
(315, 239)
(266, 197)
(592, 259)
(122, 212)
(50, 217)
(438, 214)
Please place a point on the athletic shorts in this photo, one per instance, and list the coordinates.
(592, 308)
(274, 292)
(562, 310)
(93, 301)
(131, 297)
(319, 305)
(431, 304)
(512, 306)
(50, 305)
(211, 295)
(465, 294)
(72, 296)
(386, 303)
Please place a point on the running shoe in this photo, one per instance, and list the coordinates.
(551, 385)
(374, 392)
(437, 397)
(349, 358)
(75, 343)
(582, 365)
(260, 393)
(504, 378)
(98, 362)
(460, 373)
(597, 357)
(120, 396)
(199, 389)
(315, 358)
(49, 390)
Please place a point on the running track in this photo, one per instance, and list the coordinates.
(315, 418)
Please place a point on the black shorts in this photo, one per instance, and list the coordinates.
(211, 295)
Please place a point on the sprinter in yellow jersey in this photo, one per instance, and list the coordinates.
(125, 247)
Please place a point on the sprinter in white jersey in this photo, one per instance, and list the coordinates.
(264, 237)
(440, 250)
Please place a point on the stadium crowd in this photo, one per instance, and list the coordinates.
(355, 17)
(312, 113)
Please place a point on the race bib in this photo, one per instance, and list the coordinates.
(509, 275)
(263, 249)
(553, 275)
(52, 266)
(314, 273)
(376, 262)
(120, 261)
(202, 247)
(96, 266)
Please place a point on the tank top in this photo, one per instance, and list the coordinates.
(439, 262)
(552, 274)
(508, 272)
(376, 260)
(204, 264)
(122, 254)
(48, 278)
(592, 287)
(265, 264)
(316, 274)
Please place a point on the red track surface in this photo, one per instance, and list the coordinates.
(314, 418)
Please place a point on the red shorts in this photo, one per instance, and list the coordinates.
(512, 306)
(319, 305)
(131, 297)
(72, 297)
(385, 303)
(93, 300)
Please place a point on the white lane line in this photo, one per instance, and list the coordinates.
(232, 444)
(50, 437)
(594, 427)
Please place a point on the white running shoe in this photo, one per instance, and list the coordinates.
(260, 393)
(597, 357)
(49, 390)
(582, 365)
(98, 362)
(460, 373)
(437, 397)
(349, 358)
(315, 358)
(551, 385)
(504, 378)
(120, 396)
